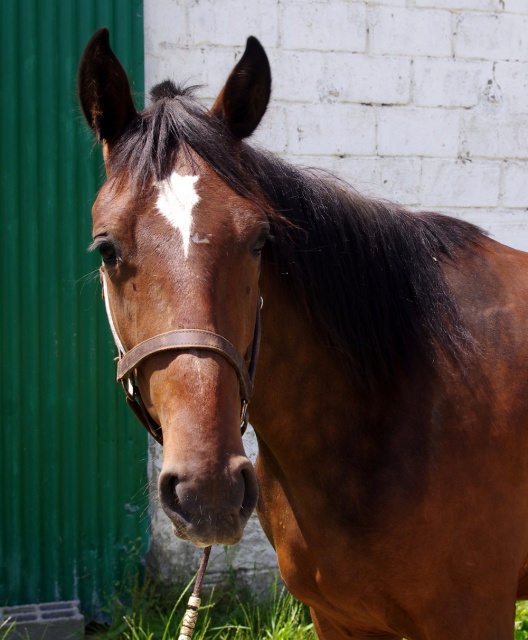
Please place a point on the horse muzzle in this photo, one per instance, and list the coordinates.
(209, 509)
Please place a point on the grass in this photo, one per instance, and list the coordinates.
(229, 612)
(5, 628)
(521, 621)
(151, 612)
(226, 614)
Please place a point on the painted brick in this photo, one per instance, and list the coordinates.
(273, 132)
(165, 22)
(418, 132)
(331, 129)
(389, 3)
(206, 67)
(514, 191)
(462, 5)
(231, 25)
(512, 78)
(400, 180)
(341, 77)
(492, 133)
(395, 179)
(410, 32)
(362, 173)
(450, 82)
(480, 133)
(516, 6)
(324, 26)
(288, 67)
(459, 183)
(491, 36)
(367, 79)
(513, 137)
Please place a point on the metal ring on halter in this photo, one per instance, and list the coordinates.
(244, 416)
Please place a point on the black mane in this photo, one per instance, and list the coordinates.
(367, 273)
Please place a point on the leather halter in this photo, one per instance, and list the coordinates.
(179, 340)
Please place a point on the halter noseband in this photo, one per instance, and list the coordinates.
(179, 340)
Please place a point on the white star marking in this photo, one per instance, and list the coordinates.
(176, 199)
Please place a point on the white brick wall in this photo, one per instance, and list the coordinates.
(421, 101)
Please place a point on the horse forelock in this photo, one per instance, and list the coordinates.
(170, 90)
(365, 272)
(174, 122)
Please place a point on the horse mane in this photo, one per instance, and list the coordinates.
(366, 273)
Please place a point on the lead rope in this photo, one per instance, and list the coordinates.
(191, 615)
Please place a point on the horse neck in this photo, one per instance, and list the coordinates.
(315, 430)
(293, 364)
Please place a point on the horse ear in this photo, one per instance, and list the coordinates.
(245, 96)
(104, 91)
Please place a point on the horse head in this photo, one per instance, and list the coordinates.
(181, 250)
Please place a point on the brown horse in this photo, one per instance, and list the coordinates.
(391, 400)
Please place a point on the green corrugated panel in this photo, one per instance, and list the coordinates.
(72, 461)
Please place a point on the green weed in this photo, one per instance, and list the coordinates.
(229, 612)
(151, 612)
(5, 628)
(521, 621)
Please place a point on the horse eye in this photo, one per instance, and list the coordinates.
(108, 253)
(260, 243)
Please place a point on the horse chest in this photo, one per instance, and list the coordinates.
(330, 566)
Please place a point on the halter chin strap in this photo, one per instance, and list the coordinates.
(179, 340)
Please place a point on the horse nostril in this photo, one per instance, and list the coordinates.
(207, 511)
(250, 491)
(168, 483)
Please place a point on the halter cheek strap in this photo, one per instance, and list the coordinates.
(179, 340)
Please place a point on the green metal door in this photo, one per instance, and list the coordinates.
(73, 503)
